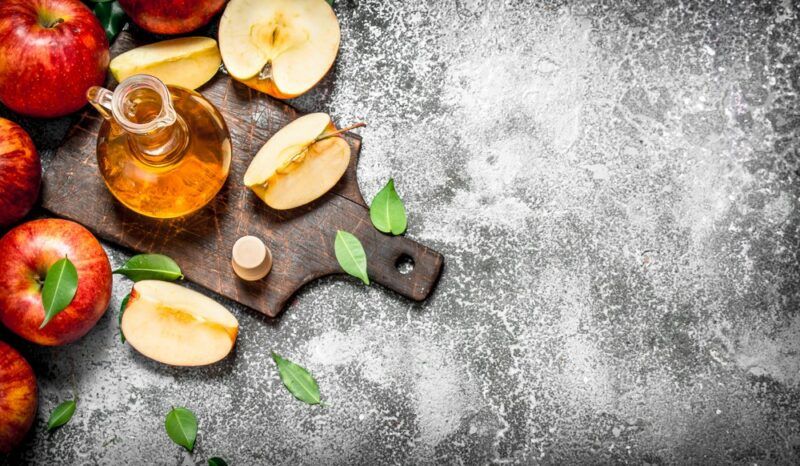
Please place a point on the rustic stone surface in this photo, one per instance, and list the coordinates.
(615, 187)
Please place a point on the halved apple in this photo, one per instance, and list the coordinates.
(280, 47)
(177, 326)
(300, 163)
(188, 61)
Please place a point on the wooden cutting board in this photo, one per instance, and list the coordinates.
(301, 240)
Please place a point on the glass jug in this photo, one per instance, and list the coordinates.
(163, 151)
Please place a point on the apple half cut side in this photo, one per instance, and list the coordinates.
(187, 62)
(280, 47)
(177, 326)
(300, 163)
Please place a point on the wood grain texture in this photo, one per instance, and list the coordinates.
(301, 240)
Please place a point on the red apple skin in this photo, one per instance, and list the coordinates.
(45, 71)
(171, 16)
(20, 173)
(18, 398)
(26, 253)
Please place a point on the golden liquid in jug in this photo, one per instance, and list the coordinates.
(178, 180)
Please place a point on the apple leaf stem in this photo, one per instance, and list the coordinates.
(339, 131)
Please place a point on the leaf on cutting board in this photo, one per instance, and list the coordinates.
(111, 17)
(297, 380)
(122, 311)
(61, 415)
(351, 255)
(60, 285)
(387, 212)
(181, 425)
(150, 267)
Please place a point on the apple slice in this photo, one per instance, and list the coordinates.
(280, 47)
(177, 326)
(187, 62)
(300, 163)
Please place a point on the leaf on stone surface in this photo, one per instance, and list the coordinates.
(297, 380)
(150, 267)
(330, 2)
(122, 311)
(59, 288)
(111, 17)
(387, 212)
(216, 461)
(181, 425)
(351, 255)
(62, 414)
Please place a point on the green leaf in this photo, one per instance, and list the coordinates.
(59, 288)
(111, 17)
(122, 311)
(150, 267)
(181, 425)
(330, 2)
(351, 255)
(62, 414)
(387, 211)
(297, 380)
(215, 461)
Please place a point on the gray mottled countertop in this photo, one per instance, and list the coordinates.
(615, 188)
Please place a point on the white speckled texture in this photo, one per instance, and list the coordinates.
(614, 186)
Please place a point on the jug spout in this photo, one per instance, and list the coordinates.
(101, 99)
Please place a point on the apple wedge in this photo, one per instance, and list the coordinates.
(300, 163)
(187, 62)
(280, 47)
(177, 326)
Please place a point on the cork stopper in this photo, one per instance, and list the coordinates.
(252, 260)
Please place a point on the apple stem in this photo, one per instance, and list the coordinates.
(340, 131)
(54, 23)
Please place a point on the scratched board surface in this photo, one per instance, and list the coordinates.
(301, 240)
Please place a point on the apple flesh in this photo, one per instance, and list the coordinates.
(20, 173)
(171, 16)
(187, 62)
(18, 398)
(26, 254)
(280, 47)
(299, 163)
(51, 52)
(177, 326)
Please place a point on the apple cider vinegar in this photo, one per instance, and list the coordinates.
(163, 151)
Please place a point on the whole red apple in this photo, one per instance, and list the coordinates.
(51, 52)
(20, 173)
(26, 254)
(18, 398)
(171, 16)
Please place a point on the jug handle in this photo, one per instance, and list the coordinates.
(100, 98)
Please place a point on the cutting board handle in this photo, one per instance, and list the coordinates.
(385, 256)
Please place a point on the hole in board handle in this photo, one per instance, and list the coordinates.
(404, 264)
